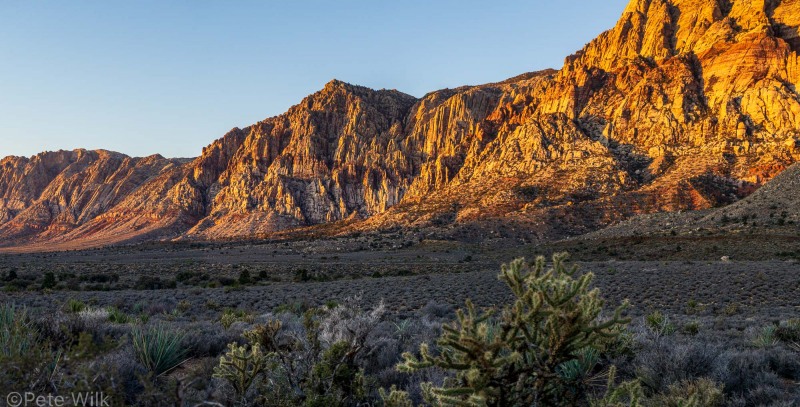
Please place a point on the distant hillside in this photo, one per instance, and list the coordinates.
(775, 207)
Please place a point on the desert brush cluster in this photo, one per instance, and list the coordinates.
(554, 343)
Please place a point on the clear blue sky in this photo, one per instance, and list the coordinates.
(169, 77)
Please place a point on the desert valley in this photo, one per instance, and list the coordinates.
(343, 253)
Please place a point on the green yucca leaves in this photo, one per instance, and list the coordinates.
(17, 337)
(158, 349)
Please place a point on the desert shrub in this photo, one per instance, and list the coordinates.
(159, 307)
(27, 364)
(436, 310)
(319, 357)
(691, 327)
(230, 316)
(61, 330)
(746, 373)
(244, 277)
(183, 306)
(182, 276)
(659, 323)
(625, 394)
(335, 379)
(788, 331)
(100, 278)
(663, 362)
(49, 280)
(114, 374)
(301, 275)
(698, 393)
(154, 283)
(207, 339)
(539, 350)
(191, 278)
(90, 315)
(225, 281)
(296, 308)
(159, 349)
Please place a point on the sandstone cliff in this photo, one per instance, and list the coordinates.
(682, 105)
(52, 193)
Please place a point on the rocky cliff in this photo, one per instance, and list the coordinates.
(50, 194)
(682, 105)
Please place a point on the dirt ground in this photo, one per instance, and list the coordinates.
(407, 275)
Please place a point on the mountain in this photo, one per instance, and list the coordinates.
(683, 105)
(50, 194)
(773, 209)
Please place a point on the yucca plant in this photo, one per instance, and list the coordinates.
(766, 337)
(158, 349)
(116, 316)
(17, 336)
(74, 306)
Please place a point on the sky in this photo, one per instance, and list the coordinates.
(169, 77)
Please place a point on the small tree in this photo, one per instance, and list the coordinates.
(244, 277)
(49, 280)
(538, 351)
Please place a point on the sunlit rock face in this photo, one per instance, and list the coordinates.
(682, 105)
(53, 193)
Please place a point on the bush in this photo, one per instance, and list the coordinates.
(27, 364)
(49, 280)
(154, 283)
(659, 324)
(691, 327)
(183, 306)
(229, 316)
(698, 393)
(663, 362)
(158, 349)
(319, 358)
(244, 277)
(539, 350)
(788, 331)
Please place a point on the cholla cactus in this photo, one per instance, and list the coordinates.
(395, 398)
(241, 365)
(521, 356)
